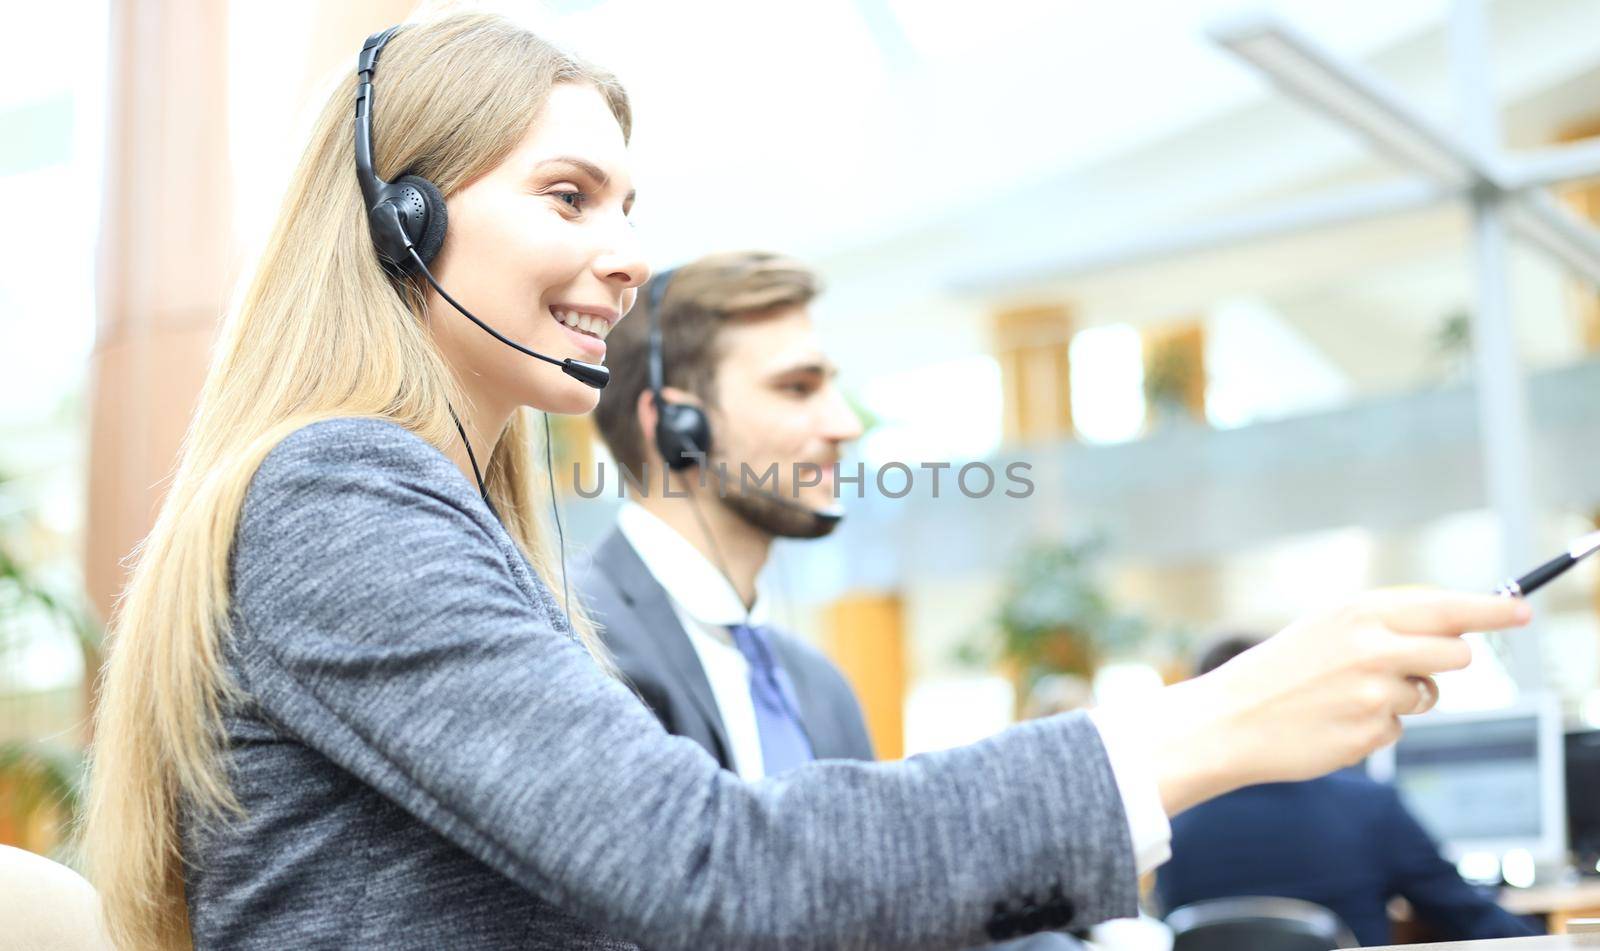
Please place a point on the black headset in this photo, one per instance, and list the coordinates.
(683, 431)
(407, 217)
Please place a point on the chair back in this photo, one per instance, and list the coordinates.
(1257, 923)
(46, 906)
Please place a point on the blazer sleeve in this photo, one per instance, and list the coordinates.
(1457, 909)
(378, 620)
(602, 604)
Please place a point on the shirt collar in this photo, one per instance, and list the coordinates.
(688, 577)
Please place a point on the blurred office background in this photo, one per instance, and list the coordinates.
(1259, 348)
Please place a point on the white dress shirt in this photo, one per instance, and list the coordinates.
(706, 604)
(1125, 735)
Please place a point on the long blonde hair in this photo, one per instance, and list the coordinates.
(319, 332)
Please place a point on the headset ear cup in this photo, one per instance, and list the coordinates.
(683, 434)
(434, 219)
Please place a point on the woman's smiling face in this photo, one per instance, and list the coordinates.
(540, 249)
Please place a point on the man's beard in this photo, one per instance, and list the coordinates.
(778, 516)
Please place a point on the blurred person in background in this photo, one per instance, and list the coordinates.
(1344, 841)
(343, 705)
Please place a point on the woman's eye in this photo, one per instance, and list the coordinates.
(573, 200)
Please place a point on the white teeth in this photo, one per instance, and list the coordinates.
(586, 323)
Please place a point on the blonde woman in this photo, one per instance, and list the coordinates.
(344, 707)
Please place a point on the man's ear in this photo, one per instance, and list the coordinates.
(674, 395)
(645, 412)
(646, 415)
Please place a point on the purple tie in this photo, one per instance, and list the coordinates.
(783, 742)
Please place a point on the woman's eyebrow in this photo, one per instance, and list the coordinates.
(593, 171)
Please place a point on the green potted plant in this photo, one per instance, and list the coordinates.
(1450, 346)
(1168, 377)
(40, 778)
(1055, 616)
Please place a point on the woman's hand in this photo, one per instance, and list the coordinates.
(1320, 695)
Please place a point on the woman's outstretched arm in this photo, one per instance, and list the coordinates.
(382, 620)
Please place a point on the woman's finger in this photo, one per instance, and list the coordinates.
(1448, 612)
(1411, 654)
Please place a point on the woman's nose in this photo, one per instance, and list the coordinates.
(624, 262)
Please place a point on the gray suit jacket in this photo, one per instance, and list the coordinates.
(655, 656)
(426, 758)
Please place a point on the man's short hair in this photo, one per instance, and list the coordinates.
(701, 298)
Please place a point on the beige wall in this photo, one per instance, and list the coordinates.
(168, 259)
(163, 262)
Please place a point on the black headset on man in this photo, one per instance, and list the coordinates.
(683, 431)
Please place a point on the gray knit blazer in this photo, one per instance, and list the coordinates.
(428, 759)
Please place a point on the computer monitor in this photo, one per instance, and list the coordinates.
(1485, 782)
(1583, 798)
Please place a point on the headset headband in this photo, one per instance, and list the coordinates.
(658, 291)
(366, 65)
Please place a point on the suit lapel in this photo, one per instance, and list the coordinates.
(655, 615)
(815, 718)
